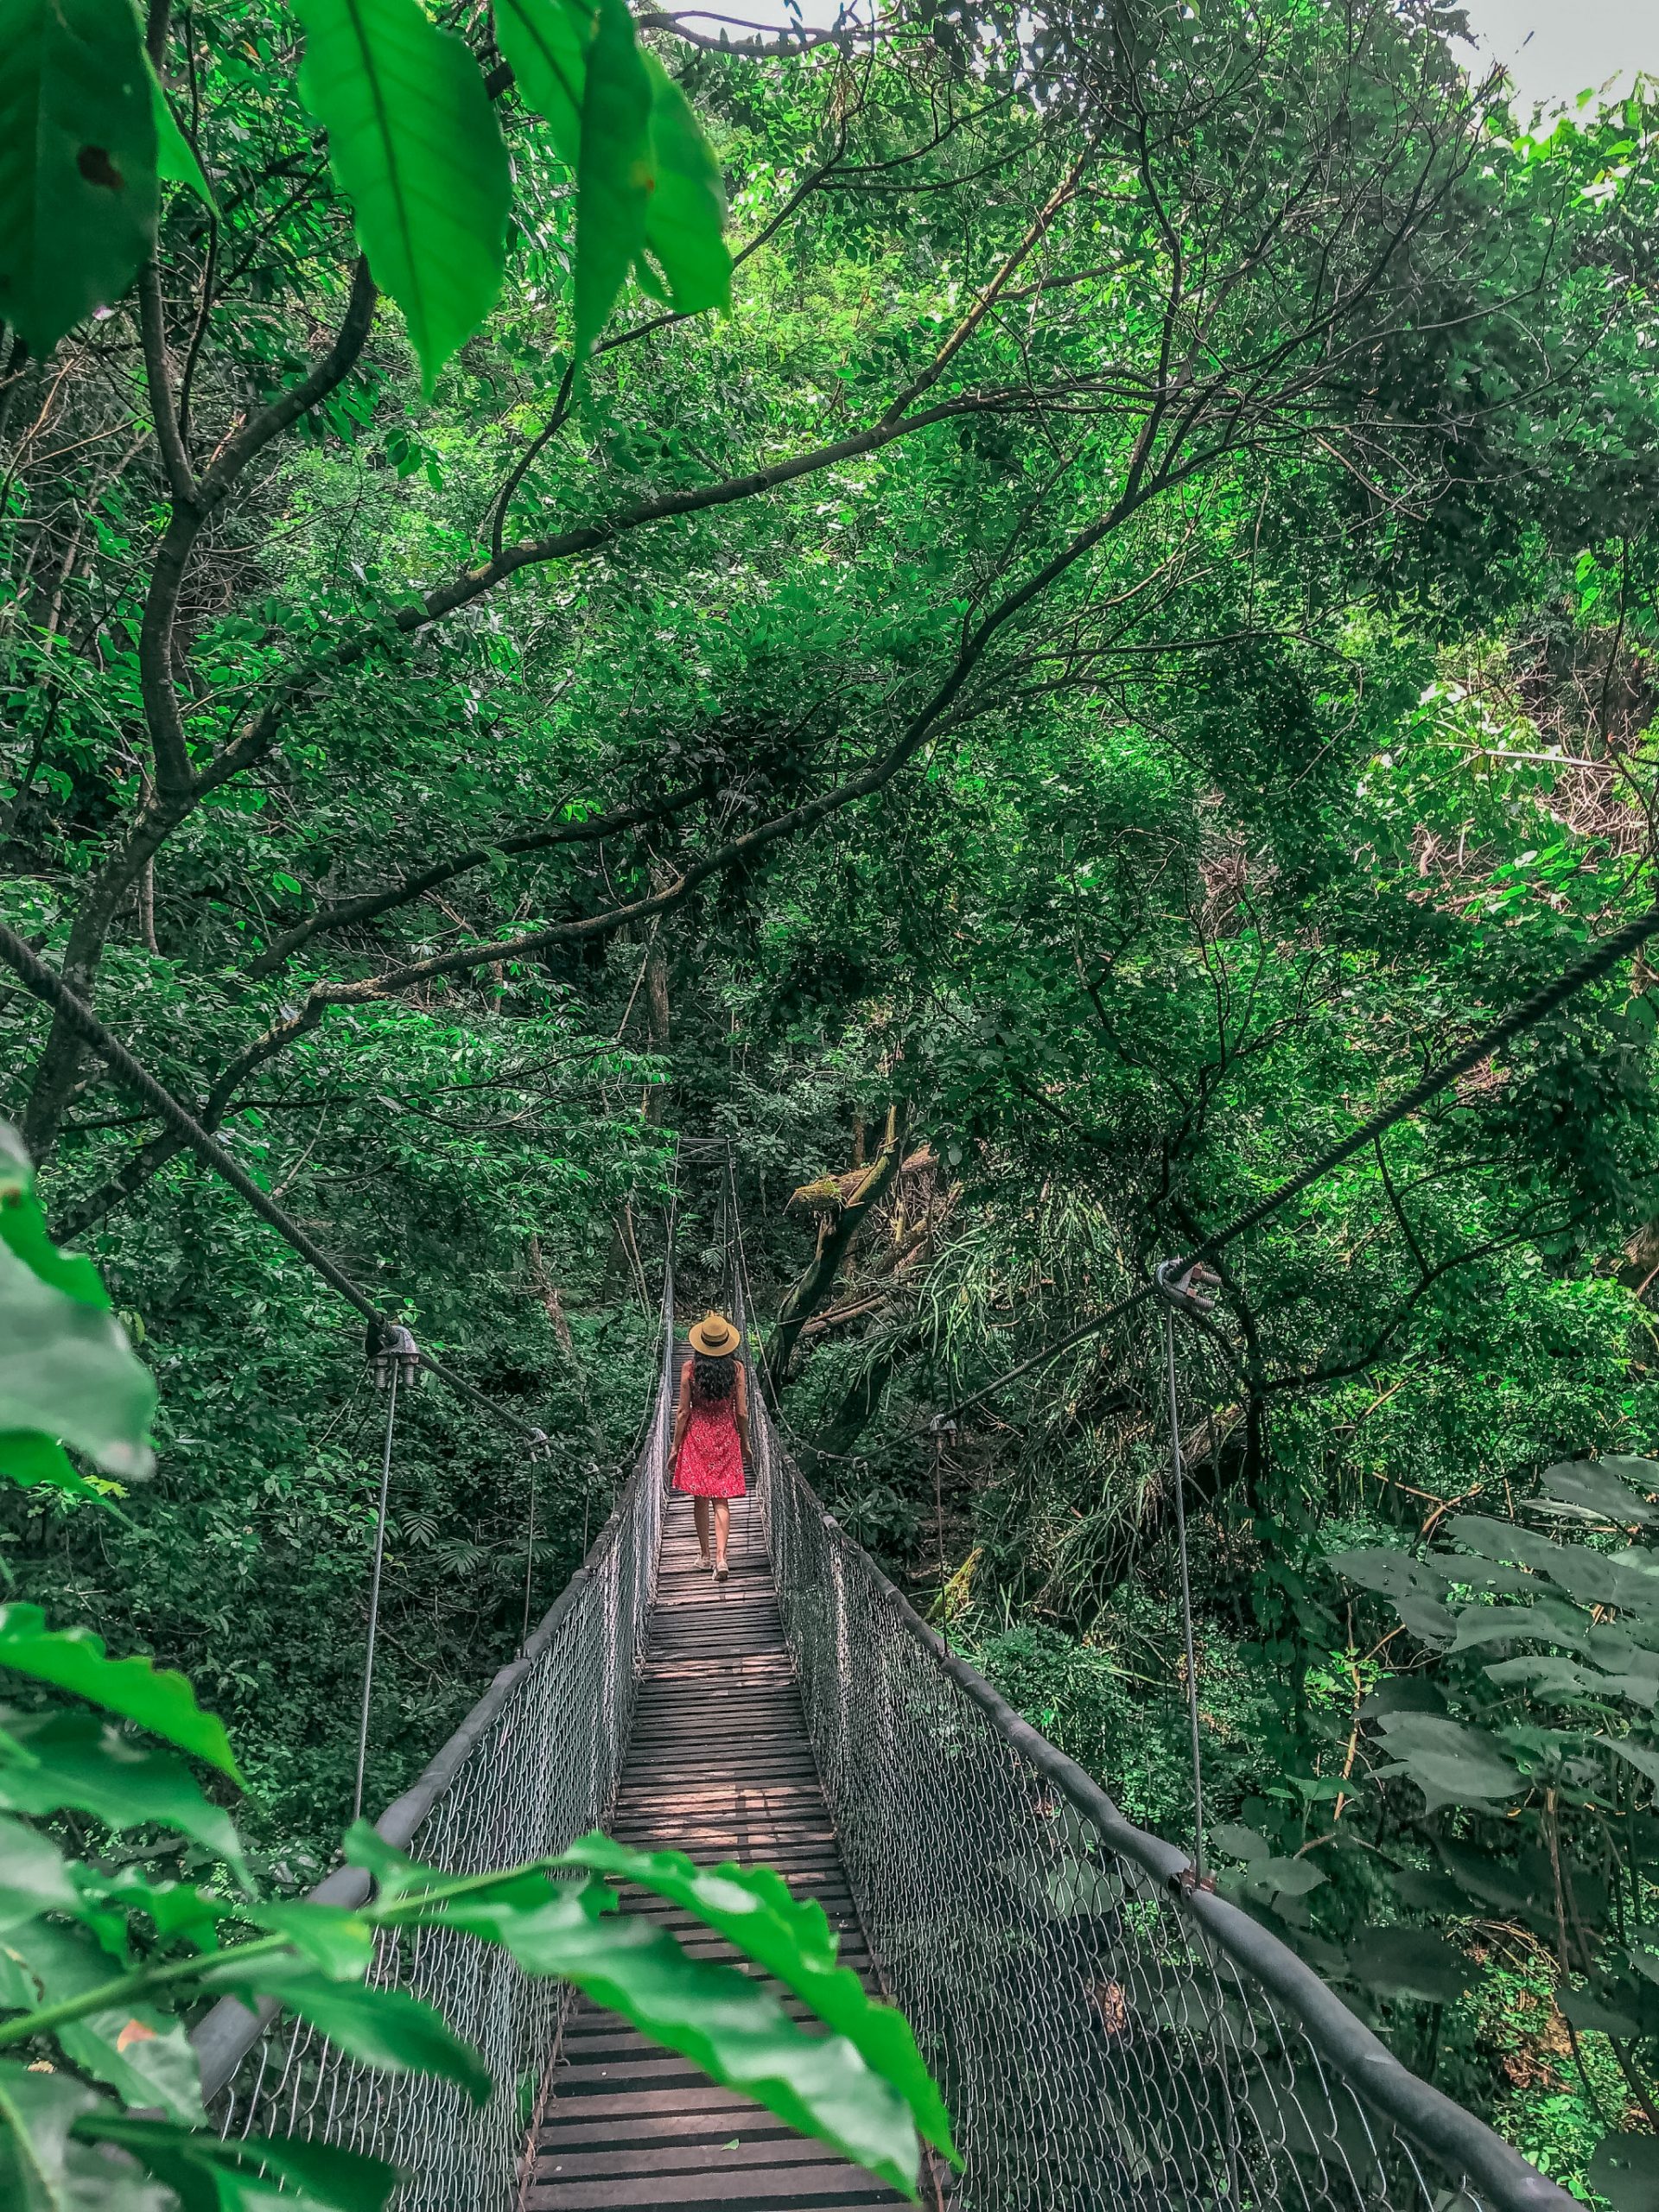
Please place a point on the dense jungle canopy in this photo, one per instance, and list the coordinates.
(1132, 638)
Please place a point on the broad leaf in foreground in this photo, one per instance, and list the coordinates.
(685, 215)
(176, 158)
(42, 2167)
(415, 146)
(67, 1371)
(545, 44)
(208, 2175)
(651, 192)
(753, 1908)
(613, 171)
(34, 1878)
(156, 1698)
(387, 2028)
(27, 1458)
(143, 2055)
(23, 1229)
(58, 1761)
(78, 189)
(722, 2020)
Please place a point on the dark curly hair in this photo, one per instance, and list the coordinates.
(712, 1379)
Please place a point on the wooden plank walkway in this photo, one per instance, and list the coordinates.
(719, 1766)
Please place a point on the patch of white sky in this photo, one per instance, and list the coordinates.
(1552, 50)
(1555, 49)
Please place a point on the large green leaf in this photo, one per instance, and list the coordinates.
(67, 1370)
(1644, 1757)
(1452, 1765)
(1404, 1961)
(63, 1372)
(1602, 1488)
(34, 1878)
(23, 1228)
(338, 1944)
(387, 2028)
(791, 1938)
(720, 2019)
(42, 2167)
(71, 1761)
(27, 1458)
(545, 44)
(145, 2056)
(677, 227)
(73, 1659)
(415, 146)
(1625, 2170)
(176, 158)
(613, 169)
(78, 189)
(208, 2175)
(179, 1909)
(685, 214)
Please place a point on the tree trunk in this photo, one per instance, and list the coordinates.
(815, 1285)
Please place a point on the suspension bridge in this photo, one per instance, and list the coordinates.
(1108, 2031)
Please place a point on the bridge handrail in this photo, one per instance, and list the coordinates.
(1427, 2129)
(466, 2160)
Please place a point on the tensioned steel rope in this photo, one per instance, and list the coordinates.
(1596, 963)
(1110, 2035)
(39, 980)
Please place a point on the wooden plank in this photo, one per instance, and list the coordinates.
(719, 1765)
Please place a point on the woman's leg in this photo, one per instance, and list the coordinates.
(722, 1529)
(700, 1515)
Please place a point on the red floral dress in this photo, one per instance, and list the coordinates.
(710, 1462)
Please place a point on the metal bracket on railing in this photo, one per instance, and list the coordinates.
(393, 1350)
(1190, 1879)
(537, 1446)
(1191, 1292)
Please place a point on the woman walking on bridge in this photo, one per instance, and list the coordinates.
(711, 1433)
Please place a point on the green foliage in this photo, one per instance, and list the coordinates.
(858, 2084)
(73, 1659)
(791, 1938)
(176, 158)
(418, 151)
(685, 208)
(67, 1370)
(1310, 730)
(78, 175)
(76, 1976)
(613, 169)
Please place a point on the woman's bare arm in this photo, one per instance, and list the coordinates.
(742, 1411)
(682, 1412)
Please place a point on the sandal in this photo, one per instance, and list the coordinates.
(720, 1570)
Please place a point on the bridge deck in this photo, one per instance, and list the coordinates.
(719, 1766)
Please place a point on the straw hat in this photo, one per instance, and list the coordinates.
(714, 1336)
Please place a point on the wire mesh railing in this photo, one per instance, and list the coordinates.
(1106, 2034)
(535, 1764)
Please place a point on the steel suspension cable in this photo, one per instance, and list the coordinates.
(40, 981)
(1596, 963)
(1178, 1479)
(374, 1591)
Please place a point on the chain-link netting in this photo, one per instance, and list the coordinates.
(542, 1772)
(1099, 2047)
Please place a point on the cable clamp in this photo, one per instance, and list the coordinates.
(1193, 1291)
(537, 1446)
(1188, 1880)
(392, 1350)
(940, 1426)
